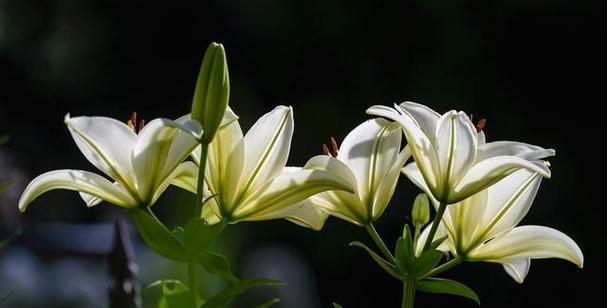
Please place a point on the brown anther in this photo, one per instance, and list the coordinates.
(480, 125)
(132, 121)
(334, 146)
(471, 116)
(141, 125)
(325, 150)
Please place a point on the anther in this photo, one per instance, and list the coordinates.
(334, 146)
(480, 125)
(141, 125)
(132, 121)
(325, 150)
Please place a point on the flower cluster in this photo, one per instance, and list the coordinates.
(481, 190)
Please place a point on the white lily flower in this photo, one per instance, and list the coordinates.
(450, 155)
(370, 158)
(246, 178)
(141, 165)
(483, 228)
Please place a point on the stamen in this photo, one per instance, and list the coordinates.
(325, 150)
(141, 125)
(480, 125)
(334, 146)
(471, 116)
(132, 121)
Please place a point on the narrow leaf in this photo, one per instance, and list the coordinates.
(447, 286)
(217, 264)
(404, 257)
(157, 236)
(336, 305)
(198, 237)
(438, 241)
(226, 296)
(387, 266)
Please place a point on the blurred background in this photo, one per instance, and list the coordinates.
(532, 68)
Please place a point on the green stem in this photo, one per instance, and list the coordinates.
(439, 215)
(193, 281)
(408, 293)
(378, 241)
(199, 189)
(444, 267)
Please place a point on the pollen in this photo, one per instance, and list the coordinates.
(333, 151)
(480, 125)
(133, 124)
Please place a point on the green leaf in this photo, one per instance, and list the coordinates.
(198, 237)
(387, 266)
(157, 236)
(447, 286)
(438, 241)
(269, 303)
(10, 238)
(426, 262)
(217, 264)
(336, 305)
(212, 91)
(173, 294)
(226, 296)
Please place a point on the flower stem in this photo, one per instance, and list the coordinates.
(408, 293)
(444, 267)
(378, 241)
(439, 215)
(199, 189)
(193, 281)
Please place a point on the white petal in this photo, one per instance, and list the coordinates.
(533, 242)
(489, 171)
(77, 180)
(509, 201)
(425, 117)
(225, 163)
(304, 213)
(334, 166)
(106, 143)
(387, 184)
(267, 146)
(187, 178)
(467, 220)
(522, 150)
(371, 150)
(456, 143)
(150, 154)
(183, 171)
(517, 268)
(288, 189)
(421, 148)
(91, 200)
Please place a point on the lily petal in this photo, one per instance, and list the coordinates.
(517, 268)
(77, 180)
(149, 156)
(267, 146)
(225, 163)
(445, 246)
(489, 171)
(370, 150)
(509, 201)
(183, 170)
(420, 146)
(426, 118)
(290, 188)
(533, 242)
(520, 149)
(106, 143)
(456, 144)
(309, 216)
(334, 166)
(387, 184)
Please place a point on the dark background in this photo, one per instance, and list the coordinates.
(535, 69)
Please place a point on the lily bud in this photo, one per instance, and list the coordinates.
(421, 210)
(212, 91)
